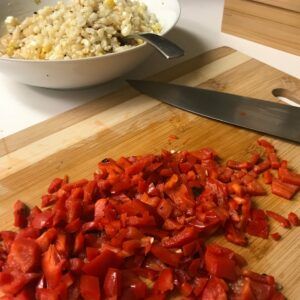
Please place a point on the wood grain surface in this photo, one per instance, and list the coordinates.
(269, 25)
(127, 123)
(286, 4)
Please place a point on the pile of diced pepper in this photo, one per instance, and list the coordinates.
(140, 228)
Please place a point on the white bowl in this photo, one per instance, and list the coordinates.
(77, 73)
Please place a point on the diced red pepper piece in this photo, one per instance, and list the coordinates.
(263, 278)
(261, 290)
(24, 255)
(48, 200)
(204, 154)
(74, 226)
(199, 285)
(255, 157)
(27, 293)
(46, 239)
(164, 209)
(113, 283)
(131, 246)
(89, 192)
(186, 289)
(188, 234)
(165, 255)
(275, 236)
(215, 289)
(164, 282)
(284, 190)
(195, 266)
(181, 196)
(220, 265)
(280, 219)
(267, 145)
(225, 176)
(8, 238)
(235, 236)
(275, 164)
(172, 225)
(100, 264)
(133, 286)
(289, 177)
(47, 294)
(239, 165)
(91, 253)
(191, 248)
(52, 266)
(258, 224)
(145, 220)
(263, 166)
(20, 214)
(151, 201)
(294, 219)
(62, 244)
(13, 282)
(254, 188)
(55, 185)
(78, 243)
(76, 265)
(89, 287)
(185, 167)
(42, 220)
(267, 176)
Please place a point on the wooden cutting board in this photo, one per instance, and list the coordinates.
(127, 123)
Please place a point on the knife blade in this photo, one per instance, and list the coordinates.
(268, 117)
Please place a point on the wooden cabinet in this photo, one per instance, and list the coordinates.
(275, 23)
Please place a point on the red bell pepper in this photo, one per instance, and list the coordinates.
(113, 283)
(164, 282)
(89, 287)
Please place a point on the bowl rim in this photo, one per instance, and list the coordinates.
(92, 58)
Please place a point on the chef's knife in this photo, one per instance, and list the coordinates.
(269, 117)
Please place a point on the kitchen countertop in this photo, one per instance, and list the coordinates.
(197, 31)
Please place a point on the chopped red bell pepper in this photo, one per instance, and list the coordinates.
(52, 266)
(276, 236)
(165, 255)
(221, 265)
(20, 214)
(267, 176)
(263, 166)
(55, 185)
(164, 282)
(258, 224)
(113, 283)
(24, 255)
(188, 234)
(280, 219)
(89, 287)
(46, 239)
(216, 289)
(133, 231)
(284, 190)
(294, 219)
(199, 285)
(100, 264)
(289, 177)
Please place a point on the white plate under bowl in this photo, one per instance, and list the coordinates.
(77, 73)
